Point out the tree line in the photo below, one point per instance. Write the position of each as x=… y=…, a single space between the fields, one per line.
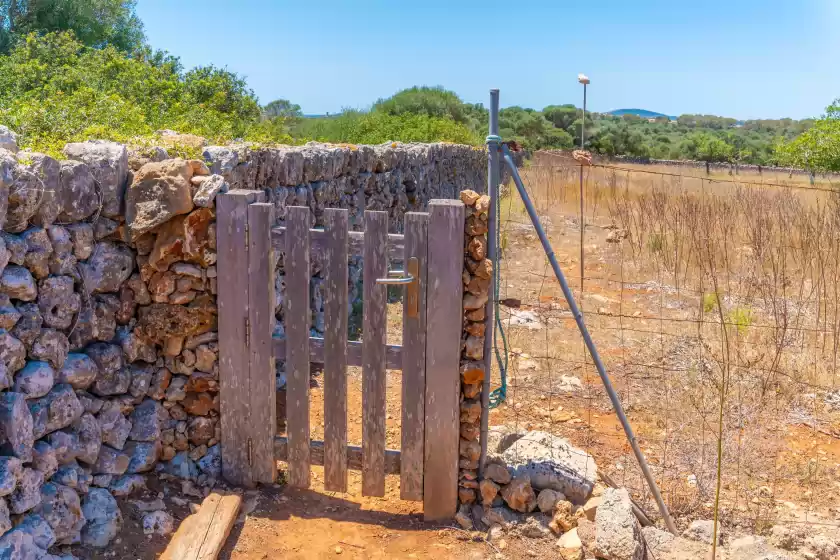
x=73 y=69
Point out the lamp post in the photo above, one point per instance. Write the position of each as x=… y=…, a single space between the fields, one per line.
x=583 y=79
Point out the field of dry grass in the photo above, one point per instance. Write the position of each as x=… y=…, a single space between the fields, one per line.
x=714 y=303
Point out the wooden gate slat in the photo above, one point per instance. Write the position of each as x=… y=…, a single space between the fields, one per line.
x=336 y=224
x=297 y=317
x=443 y=350
x=414 y=365
x=263 y=422
x=234 y=385
x=374 y=337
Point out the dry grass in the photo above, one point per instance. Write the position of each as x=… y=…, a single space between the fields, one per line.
x=717 y=316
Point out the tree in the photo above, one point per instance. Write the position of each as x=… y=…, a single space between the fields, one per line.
x=562 y=116
x=818 y=148
x=95 y=23
x=282 y=108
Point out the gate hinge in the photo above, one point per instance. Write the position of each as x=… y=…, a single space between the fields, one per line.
x=250 y=452
x=247 y=331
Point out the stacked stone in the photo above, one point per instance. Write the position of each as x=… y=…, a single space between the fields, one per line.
x=477 y=278
x=92 y=338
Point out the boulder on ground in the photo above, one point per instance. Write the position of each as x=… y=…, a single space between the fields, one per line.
x=519 y=495
x=618 y=535
x=104 y=519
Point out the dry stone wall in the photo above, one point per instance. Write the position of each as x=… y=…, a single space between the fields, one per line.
x=108 y=347
x=108 y=338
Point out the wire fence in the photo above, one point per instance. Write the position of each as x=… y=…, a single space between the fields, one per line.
x=714 y=301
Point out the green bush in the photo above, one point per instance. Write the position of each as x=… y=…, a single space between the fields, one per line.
x=55 y=90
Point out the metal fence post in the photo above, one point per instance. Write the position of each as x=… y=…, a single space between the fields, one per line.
x=493 y=145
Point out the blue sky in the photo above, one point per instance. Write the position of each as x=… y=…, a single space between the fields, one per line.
x=739 y=58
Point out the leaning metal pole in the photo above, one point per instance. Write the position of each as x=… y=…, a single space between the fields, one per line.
x=493 y=144
x=590 y=345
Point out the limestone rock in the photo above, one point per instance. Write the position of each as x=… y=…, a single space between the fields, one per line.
x=547 y=499
x=34 y=380
x=160 y=321
x=108 y=267
x=562 y=519
x=159 y=384
x=159 y=192
x=90 y=438
x=158 y=523
x=489 y=490
x=114 y=427
x=108 y=162
x=38 y=529
x=200 y=430
x=206 y=194
x=199 y=404
x=110 y=461
x=145 y=421
x=182 y=466
x=28 y=327
x=104 y=519
x=211 y=463
x=142 y=455
x=79 y=371
x=617 y=532
x=17 y=283
x=61 y=508
x=8 y=139
x=51 y=347
x=519 y=495
x=15 y=248
x=569 y=546
x=137 y=347
x=222 y=159
x=497 y=473
x=552 y=462
x=115 y=383
x=184 y=238
x=33 y=181
x=822 y=547
x=77 y=193
x=66 y=446
x=11 y=469
x=57 y=410
x=107 y=357
x=127 y=485
x=81 y=234
x=27 y=493
x=44 y=458
x=96 y=321
x=20 y=544
x=16 y=425
x=57 y=301
x=9 y=315
x=38 y=251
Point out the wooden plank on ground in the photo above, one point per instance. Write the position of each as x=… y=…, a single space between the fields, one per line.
x=356 y=242
x=374 y=337
x=263 y=420
x=202 y=536
x=234 y=387
x=297 y=318
x=414 y=363
x=354 y=455
x=443 y=348
x=336 y=225
x=393 y=352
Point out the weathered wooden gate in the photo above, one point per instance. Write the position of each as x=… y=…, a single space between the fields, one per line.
x=432 y=252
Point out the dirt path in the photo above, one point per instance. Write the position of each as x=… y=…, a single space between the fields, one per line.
x=289 y=523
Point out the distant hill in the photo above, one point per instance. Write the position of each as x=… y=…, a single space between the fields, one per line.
x=644 y=113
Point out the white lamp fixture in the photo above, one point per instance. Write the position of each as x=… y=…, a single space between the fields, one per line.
x=582 y=78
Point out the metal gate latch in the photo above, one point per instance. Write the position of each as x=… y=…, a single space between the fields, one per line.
x=410 y=279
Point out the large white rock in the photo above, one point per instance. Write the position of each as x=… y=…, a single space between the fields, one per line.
x=618 y=535
x=552 y=462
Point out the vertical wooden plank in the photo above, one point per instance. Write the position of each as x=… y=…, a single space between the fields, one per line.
x=374 y=337
x=297 y=319
x=232 y=300
x=263 y=421
x=443 y=349
x=336 y=225
x=414 y=365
